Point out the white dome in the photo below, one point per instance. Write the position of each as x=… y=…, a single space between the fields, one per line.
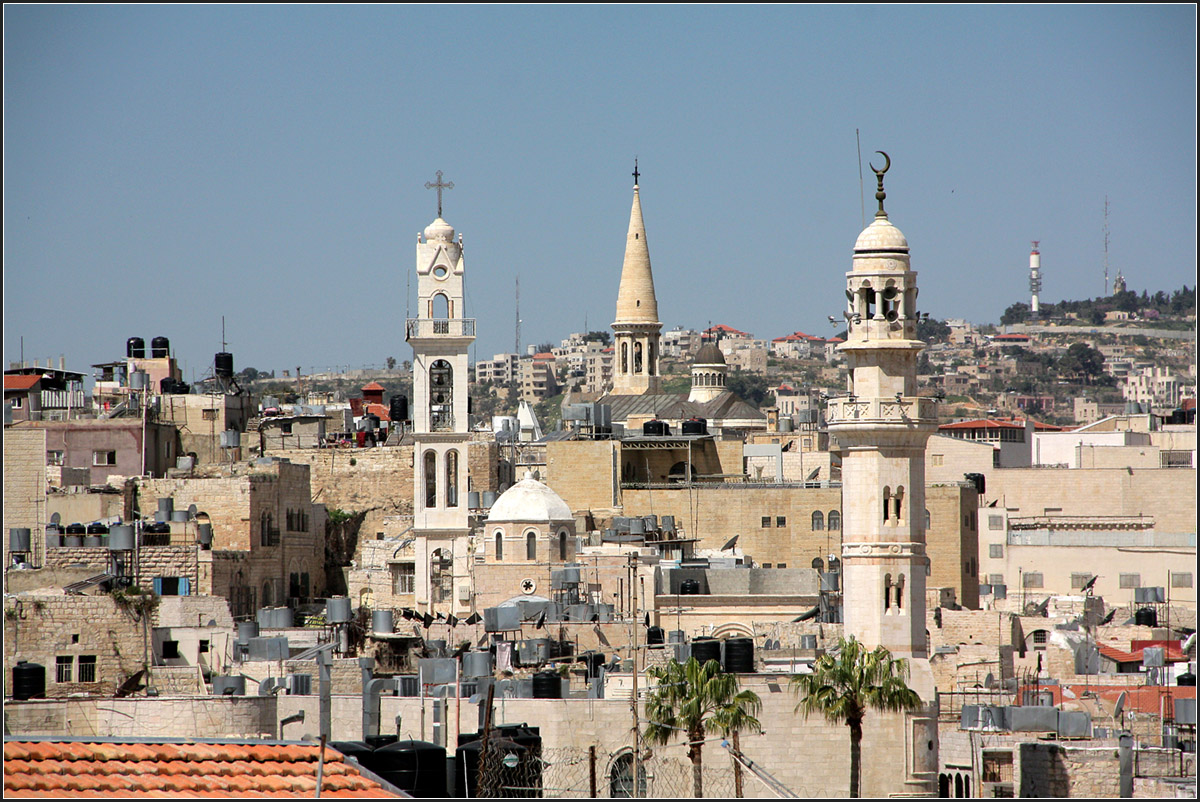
x=529 y=501
x=439 y=230
x=881 y=235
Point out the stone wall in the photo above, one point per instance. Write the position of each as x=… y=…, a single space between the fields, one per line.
x=153 y=717
x=25 y=487
x=42 y=627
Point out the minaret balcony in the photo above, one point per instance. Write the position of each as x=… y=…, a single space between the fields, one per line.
x=850 y=410
x=444 y=328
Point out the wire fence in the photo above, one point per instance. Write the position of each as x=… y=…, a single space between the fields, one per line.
x=570 y=773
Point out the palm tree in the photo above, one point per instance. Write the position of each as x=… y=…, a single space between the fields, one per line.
x=697 y=698
x=845 y=687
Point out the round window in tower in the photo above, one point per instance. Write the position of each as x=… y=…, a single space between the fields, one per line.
x=440 y=271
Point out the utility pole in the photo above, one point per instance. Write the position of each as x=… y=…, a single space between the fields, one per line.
x=637 y=730
x=1105 y=246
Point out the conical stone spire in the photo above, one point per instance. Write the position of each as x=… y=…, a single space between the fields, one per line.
x=636 y=329
x=635 y=299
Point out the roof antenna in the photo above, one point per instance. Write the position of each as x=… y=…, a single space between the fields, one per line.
x=861 y=193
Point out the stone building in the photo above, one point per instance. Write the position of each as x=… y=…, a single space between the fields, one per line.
x=109 y=447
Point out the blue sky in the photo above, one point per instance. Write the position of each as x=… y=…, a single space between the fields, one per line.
x=165 y=165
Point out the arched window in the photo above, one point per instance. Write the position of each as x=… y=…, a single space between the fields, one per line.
x=900 y=593
x=818 y=564
x=958 y=786
x=441 y=395
x=531 y=546
x=835 y=520
x=818 y=521
x=887 y=592
x=562 y=545
x=887 y=499
x=650 y=358
x=624 y=357
x=499 y=545
x=266 y=594
x=430 y=479
x=451 y=478
x=927 y=519
x=620 y=778
x=637 y=357
x=899 y=499
x=440 y=307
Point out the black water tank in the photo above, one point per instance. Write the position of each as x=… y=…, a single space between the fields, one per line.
x=76 y=529
x=695 y=426
x=655 y=428
x=705 y=649
x=398 y=408
x=466 y=769
x=739 y=656
x=181 y=388
x=160 y=347
x=1187 y=679
x=1146 y=617
x=654 y=636
x=978 y=480
x=135 y=348
x=357 y=750
x=689 y=587
x=97 y=529
x=417 y=767
x=377 y=742
x=223 y=363
x=547 y=685
x=28 y=681
x=166 y=385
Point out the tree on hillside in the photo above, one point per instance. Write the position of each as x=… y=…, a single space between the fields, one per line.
x=750 y=387
x=844 y=687
x=695 y=699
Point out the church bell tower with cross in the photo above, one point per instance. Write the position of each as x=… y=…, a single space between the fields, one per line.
x=636 y=331
x=440 y=335
x=882 y=426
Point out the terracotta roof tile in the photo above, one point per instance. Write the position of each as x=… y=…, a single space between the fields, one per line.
x=20 y=382
x=107 y=769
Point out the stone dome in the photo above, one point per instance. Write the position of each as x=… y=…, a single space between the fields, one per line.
x=881 y=235
x=529 y=501
x=440 y=231
x=881 y=247
x=709 y=354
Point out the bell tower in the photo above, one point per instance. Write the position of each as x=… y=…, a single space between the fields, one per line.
x=440 y=336
x=637 y=327
x=882 y=426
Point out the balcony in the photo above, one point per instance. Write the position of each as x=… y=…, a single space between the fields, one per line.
x=907 y=409
x=449 y=328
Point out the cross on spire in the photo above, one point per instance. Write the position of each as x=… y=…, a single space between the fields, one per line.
x=635 y=171
x=439 y=186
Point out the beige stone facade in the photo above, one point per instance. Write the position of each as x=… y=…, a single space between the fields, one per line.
x=25 y=487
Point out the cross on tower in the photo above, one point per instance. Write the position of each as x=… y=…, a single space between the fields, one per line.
x=636 y=174
x=439 y=186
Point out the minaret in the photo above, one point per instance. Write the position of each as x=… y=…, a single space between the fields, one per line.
x=636 y=329
x=882 y=427
x=440 y=337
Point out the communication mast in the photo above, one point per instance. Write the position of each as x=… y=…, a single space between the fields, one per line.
x=517 y=339
x=1105 y=246
x=1035 y=280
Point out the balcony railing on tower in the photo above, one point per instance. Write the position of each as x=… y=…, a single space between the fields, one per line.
x=445 y=327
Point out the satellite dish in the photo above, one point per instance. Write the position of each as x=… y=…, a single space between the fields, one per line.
x=56 y=518
x=192 y=511
x=989 y=681
x=1120 y=708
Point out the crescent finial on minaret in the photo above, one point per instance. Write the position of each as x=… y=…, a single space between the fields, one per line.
x=879 y=193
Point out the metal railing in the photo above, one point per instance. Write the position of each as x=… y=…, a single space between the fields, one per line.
x=449 y=327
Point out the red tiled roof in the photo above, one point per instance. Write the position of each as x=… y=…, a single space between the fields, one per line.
x=380 y=411
x=1188 y=403
x=373 y=386
x=103 y=770
x=799 y=335
x=721 y=327
x=20 y=382
x=999 y=423
x=1011 y=337
x=545 y=355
